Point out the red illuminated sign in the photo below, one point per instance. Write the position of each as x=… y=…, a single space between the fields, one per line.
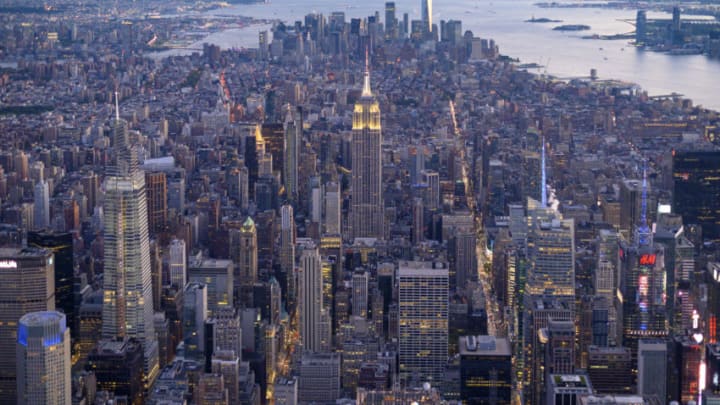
x=647 y=260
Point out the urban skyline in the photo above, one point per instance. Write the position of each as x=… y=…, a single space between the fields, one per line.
x=359 y=210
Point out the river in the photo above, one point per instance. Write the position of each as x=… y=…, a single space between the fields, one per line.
x=565 y=54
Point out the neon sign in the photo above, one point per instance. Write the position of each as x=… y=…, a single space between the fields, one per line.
x=647 y=260
x=8 y=264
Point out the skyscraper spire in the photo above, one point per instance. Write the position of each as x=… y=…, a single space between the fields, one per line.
x=643 y=231
x=543 y=177
x=117 y=107
x=367 y=92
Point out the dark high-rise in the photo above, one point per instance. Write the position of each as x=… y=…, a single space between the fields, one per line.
x=61 y=244
x=696 y=189
x=118 y=367
x=485 y=370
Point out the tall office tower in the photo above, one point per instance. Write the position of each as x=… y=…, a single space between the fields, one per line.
x=156 y=188
x=464 y=258
x=607 y=279
x=128 y=302
x=91 y=189
x=641 y=27
x=367 y=209
x=177 y=263
x=293 y=139
x=432 y=179
x=319 y=379
x=687 y=356
x=310 y=297
x=195 y=308
x=551 y=249
x=531 y=359
x=360 y=294
x=26 y=276
x=244 y=254
x=237 y=186
x=644 y=306
x=560 y=348
x=271 y=350
x=391 y=24
x=227 y=364
x=333 y=208
x=61 y=244
x=287 y=255
x=418 y=221
x=485 y=370
x=41 y=215
x=118 y=364
x=630 y=201
x=426 y=7
x=43 y=359
x=423 y=317
x=696 y=189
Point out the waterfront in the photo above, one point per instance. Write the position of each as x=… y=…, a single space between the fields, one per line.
x=565 y=54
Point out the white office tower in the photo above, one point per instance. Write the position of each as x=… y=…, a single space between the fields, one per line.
x=310 y=297
x=43 y=359
x=127 y=298
x=178 y=263
x=41 y=214
x=333 y=207
x=423 y=321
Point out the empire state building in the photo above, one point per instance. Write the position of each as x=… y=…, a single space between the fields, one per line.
x=367 y=208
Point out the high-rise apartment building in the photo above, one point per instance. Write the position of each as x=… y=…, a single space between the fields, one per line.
x=43 y=359
x=128 y=301
x=367 y=208
x=423 y=318
x=28 y=285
